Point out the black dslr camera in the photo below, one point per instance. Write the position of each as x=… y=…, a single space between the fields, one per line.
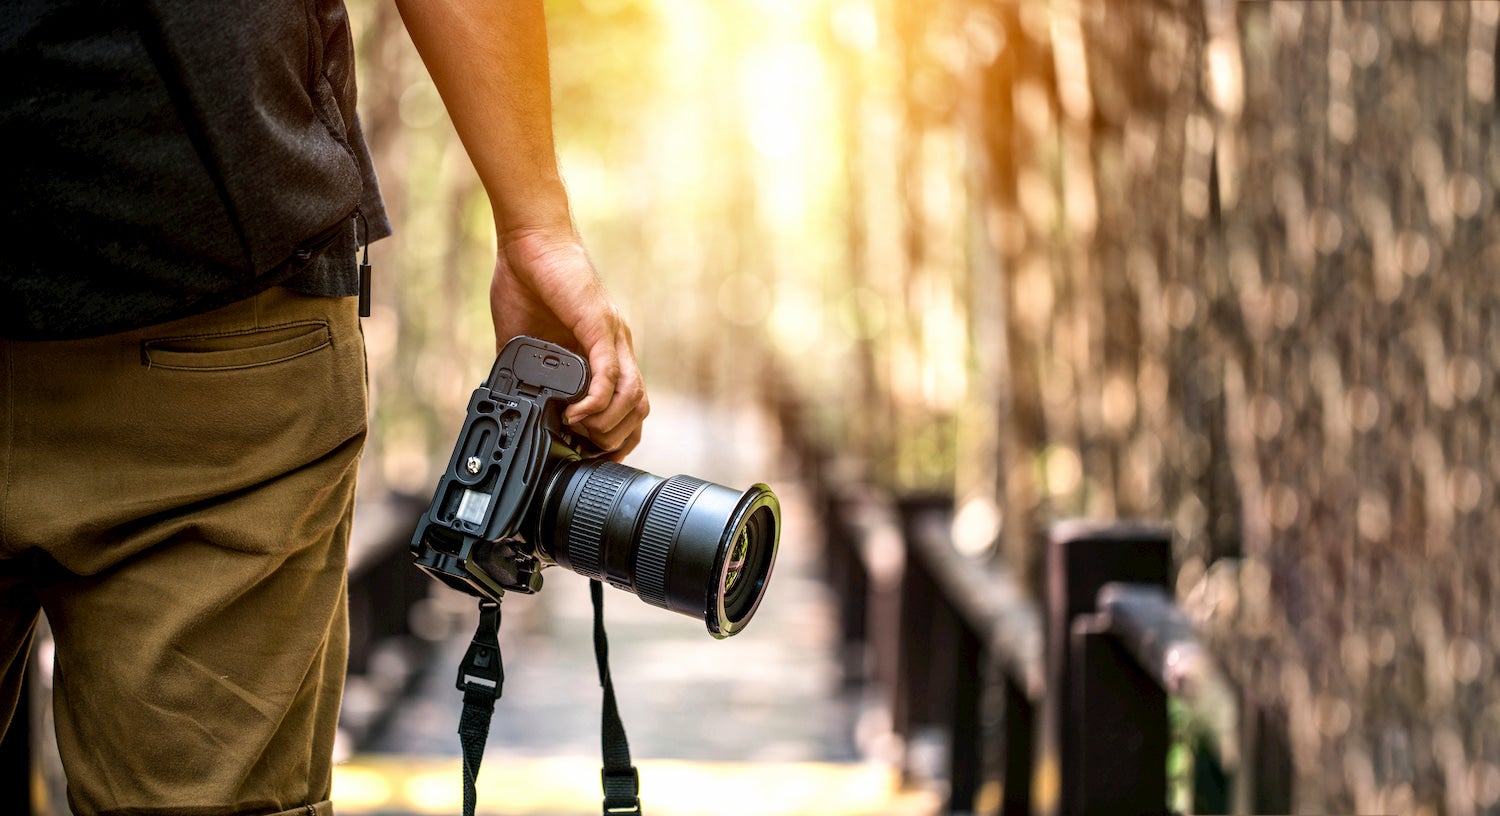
x=520 y=494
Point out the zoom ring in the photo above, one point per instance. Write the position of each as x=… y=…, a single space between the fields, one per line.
x=657 y=533
x=596 y=498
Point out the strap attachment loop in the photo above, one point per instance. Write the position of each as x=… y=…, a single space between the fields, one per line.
x=481 y=672
x=621 y=791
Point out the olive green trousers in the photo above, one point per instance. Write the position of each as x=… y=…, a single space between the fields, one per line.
x=177 y=500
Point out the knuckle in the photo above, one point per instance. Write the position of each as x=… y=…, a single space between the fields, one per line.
x=610 y=441
x=632 y=391
x=609 y=371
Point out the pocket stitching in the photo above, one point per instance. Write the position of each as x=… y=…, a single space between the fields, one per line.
x=148 y=346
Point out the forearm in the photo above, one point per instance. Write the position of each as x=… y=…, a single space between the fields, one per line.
x=488 y=59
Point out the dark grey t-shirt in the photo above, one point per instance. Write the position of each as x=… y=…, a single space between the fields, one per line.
x=172 y=157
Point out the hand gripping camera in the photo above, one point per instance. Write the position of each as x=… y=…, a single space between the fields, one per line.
x=520 y=494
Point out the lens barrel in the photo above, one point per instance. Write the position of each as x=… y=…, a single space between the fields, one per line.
x=680 y=543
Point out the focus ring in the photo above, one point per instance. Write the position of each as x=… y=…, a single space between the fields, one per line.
x=658 y=532
x=596 y=498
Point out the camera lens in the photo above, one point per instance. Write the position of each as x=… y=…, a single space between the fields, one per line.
x=681 y=543
x=747 y=564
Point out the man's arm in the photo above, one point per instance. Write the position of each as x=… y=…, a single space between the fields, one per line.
x=488 y=59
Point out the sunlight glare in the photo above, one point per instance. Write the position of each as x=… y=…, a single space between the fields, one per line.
x=854 y=25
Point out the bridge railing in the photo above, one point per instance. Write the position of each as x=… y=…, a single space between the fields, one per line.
x=1067 y=704
x=1089 y=694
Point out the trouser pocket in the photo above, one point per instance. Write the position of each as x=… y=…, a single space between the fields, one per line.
x=234 y=350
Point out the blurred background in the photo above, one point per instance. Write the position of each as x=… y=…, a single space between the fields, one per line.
x=946 y=273
x=1230 y=267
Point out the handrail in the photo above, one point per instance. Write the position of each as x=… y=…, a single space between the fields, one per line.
x=990 y=600
x=971 y=661
x=1068 y=683
x=1154 y=631
x=1059 y=703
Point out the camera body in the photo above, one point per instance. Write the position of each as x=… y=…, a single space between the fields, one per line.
x=521 y=492
x=477 y=535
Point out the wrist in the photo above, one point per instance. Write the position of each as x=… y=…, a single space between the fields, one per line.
x=543 y=256
x=530 y=237
x=541 y=214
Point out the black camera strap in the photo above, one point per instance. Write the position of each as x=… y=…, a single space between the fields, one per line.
x=481 y=677
x=621 y=781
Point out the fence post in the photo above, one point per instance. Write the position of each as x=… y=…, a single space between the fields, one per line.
x=1119 y=721
x=846 y=573
x=1081 y=558
x=1016 y=750
x=928 y=628
x=914 y=692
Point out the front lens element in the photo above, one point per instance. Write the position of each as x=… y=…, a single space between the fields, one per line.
x=682 y=543
x=736 y=561
x=748 y=559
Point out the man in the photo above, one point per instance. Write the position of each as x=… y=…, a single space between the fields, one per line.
x=182 y=396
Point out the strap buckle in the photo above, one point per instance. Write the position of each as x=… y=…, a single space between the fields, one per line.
x=481 y=672
x=622 y=788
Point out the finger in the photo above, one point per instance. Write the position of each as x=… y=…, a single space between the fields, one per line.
x=604 y=364
x=614 y=438
x=626 y=447
x=629 y=393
